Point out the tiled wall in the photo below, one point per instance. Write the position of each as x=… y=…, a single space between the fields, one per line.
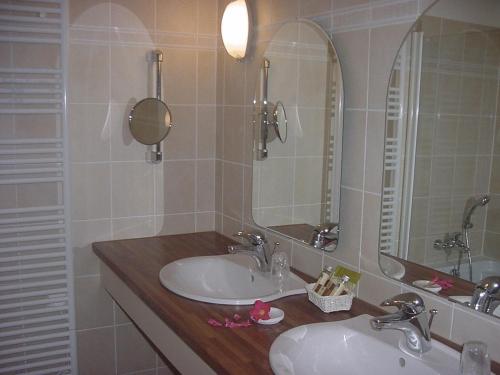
x=455 y=135
x=367 y=35
x=115 y=192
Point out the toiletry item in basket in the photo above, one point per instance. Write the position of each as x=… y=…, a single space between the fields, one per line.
x=353 y=276
x=322 y=279
x=330 y=285
x=342 y=287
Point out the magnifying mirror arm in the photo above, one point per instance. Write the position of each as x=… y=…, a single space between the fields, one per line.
x=156 y=154
x=264 y=120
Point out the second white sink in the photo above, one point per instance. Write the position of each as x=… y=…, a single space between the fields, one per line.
x=352 y=347
x=230 y=279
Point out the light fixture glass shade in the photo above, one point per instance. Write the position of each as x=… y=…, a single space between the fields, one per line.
x=234 y=28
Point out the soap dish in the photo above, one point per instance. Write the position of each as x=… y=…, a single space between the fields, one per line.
x=275 y=316
x=329 y=304
x=427 y=285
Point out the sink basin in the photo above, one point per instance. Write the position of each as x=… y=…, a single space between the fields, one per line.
x=352 y=347
x=392 y=267
x=230 y=279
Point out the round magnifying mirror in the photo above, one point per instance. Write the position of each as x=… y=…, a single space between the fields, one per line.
x=280 y=122
x=150 y=121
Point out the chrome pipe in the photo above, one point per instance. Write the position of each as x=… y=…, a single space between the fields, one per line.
x=156 y=154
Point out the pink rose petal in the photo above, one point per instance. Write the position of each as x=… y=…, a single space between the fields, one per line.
x=214 y=323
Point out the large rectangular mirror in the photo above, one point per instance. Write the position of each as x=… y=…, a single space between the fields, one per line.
x=298 y=136
x=441 y=182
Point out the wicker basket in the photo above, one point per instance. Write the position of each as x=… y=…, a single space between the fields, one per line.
x=329 y=304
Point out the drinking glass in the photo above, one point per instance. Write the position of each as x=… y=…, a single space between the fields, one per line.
x=280 y=270
x=475 y=359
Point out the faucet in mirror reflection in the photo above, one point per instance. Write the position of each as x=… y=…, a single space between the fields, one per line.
x=461 y=241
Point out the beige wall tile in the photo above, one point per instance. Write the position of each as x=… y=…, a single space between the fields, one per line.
x=93 y=305
x=307 y=259
x=176 y=15
x=91 y=183
x=181 y=140
x=205 y=200
x=133 y=227
x=96 y=350
x=132 y=350
x=352 y=48
x=89 y=12
x=353 y=148
x=131 y=14
x=89 y=132
x=313 y=7
x=84 y=233
x=307 y=170
x=233 y=135
x=276 y=183
x=132 y=184
x=284 y=10
x=134 y=64
x=207 y=68
x=232 y=188
x=234 y=81
x=206 y=132
x=370 y=233
x=176 y=187
x=123 y=145
x=175 y=224
x=374 y=157
x=350 y=216
x=88 y=73
x=375 y=289
x=204 y=221
x=180 y=76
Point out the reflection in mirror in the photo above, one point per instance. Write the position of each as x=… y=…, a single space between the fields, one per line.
x=297 y=136
x=441 y=182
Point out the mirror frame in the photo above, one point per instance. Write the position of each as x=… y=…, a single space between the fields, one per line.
x=337 y=168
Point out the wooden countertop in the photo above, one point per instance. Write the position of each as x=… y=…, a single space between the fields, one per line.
x=137 y=263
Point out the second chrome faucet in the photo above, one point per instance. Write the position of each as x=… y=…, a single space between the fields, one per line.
x=411 y=319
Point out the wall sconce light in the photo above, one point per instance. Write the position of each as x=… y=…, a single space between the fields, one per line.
x=235 y=28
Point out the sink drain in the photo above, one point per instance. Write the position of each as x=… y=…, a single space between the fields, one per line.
x=402 y=362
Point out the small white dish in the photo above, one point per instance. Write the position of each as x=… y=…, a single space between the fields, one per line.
x=427 y=285
x=275 y=316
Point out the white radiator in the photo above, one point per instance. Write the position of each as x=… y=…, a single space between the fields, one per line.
x=36 y=278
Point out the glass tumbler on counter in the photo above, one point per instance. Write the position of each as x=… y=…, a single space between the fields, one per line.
x=474 y=359
x=280 y=270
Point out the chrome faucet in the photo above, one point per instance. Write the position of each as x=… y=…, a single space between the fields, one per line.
x=325 y=235
x=486 y=297
x=257 y=248
x=411 y=319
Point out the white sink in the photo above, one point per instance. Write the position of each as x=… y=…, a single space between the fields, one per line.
x=230 y=279
x=392 y=267
x=352 y=347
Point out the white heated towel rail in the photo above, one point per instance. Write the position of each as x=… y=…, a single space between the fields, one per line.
x=36 y=291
